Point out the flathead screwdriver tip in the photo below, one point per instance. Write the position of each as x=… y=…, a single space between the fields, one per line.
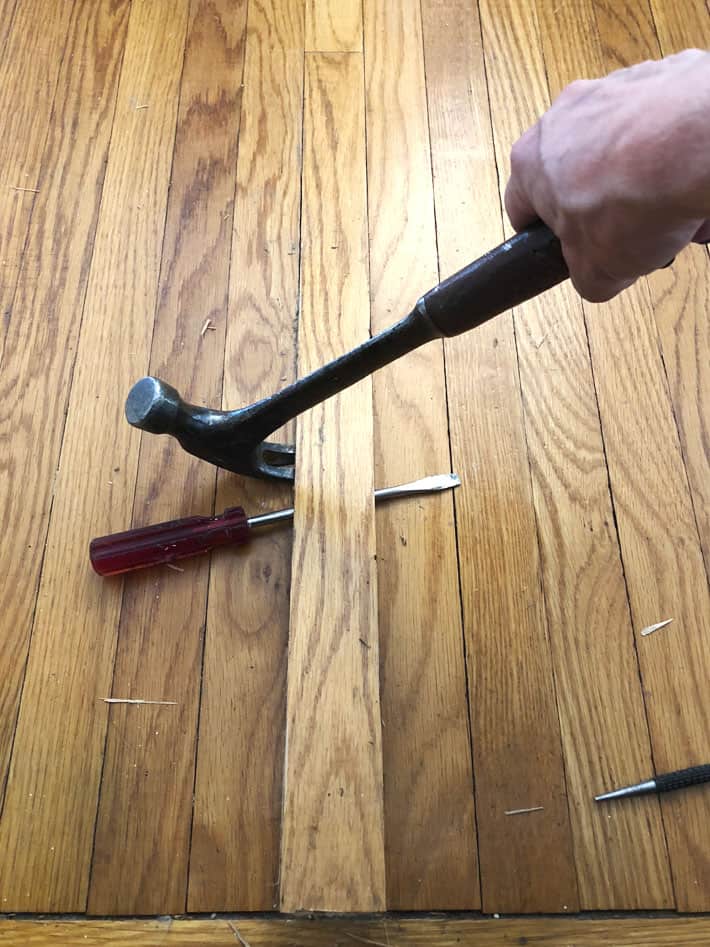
x=432 y=484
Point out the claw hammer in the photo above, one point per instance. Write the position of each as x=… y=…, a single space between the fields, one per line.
x=528 y=264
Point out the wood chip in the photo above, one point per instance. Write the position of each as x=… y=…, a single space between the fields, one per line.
x=651 y=628
x=175 y=568
x=208 y=325
x=129 y=700
x=522 y=811
x=28 y=190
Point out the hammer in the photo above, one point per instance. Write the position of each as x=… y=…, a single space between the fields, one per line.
x=528 y=264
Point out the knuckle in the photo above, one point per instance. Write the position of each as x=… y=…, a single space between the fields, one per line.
x=577 y=88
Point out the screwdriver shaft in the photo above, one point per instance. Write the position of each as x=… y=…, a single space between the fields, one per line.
x=432 y=484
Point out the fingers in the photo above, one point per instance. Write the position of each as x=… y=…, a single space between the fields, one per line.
x=518 y=207
x=524 y=157
x=591 y=281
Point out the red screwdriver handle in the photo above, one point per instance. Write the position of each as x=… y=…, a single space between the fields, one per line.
x=166 y=542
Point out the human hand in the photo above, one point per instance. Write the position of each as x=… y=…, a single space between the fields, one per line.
x=619 y=169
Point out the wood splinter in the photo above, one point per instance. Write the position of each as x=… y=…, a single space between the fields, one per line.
x=523 y=811
x=129 y=700
x=651 y=628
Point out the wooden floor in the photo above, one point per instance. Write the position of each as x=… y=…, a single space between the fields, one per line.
x=353 y=709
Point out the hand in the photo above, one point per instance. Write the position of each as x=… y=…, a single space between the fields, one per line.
x=619 y=169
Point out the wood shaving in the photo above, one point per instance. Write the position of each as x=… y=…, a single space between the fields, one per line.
x=244 y=943
x=659 y=624
x=522 y=811
x=139 y=107
x=130 y=700
x=175 y=568
x=364 y=940
x=208 y=325
x=27 y=190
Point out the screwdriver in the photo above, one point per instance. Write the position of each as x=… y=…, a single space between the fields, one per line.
x=163 y=543
x=665 y=782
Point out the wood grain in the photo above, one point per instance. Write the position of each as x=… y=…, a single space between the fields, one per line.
x=332 y=834
x=412 y=932
x=35 y=38
x=41 y=343
x=141 y=850
x=680 y=300
x=660 y=545
x=334 y=25
x=429 y=810
x=620 y=853
x=46 y=832
x=234 y=862
x=7 y=18
x=514 y=720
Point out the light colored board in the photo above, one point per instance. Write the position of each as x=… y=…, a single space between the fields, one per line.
x=238 y=787
x=620 y=852
x=47 y=826
x=681 y=301
x=660 y=545
x=429 y=809
x=680 y=298
x=141 y=849
x=7 y=18
x=625 y=32
x=334 y=25
x=386 y=932
x=513 y=713
x=685 y=25
x=36 y=372
x=332 y=831
x=34 y=41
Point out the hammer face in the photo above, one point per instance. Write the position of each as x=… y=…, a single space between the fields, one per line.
x=229 y=439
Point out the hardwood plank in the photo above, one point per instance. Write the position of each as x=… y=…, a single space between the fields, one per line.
x=431 y=859
x=34 y=37
x=332 y=856
x=514 y=723
x=683 y=26
x=238 y=787
x=46 y=832
x=660 y=545
x=412 y=932
x=7 y=18
x=680 y=300
x=620 y=855
x=334 y=25
x=41 y=343
x=141 y=851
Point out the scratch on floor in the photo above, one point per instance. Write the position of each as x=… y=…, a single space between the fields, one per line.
x=651 y=628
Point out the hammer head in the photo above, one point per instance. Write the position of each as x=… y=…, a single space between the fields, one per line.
x=233 y=440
